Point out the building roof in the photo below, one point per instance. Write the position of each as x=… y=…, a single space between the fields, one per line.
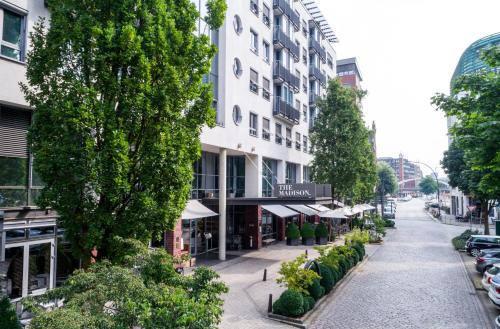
x=351 y=60
x=314 y=11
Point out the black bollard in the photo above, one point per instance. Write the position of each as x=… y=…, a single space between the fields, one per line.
x=306 y=253
x=270 y=305
x=265 y=275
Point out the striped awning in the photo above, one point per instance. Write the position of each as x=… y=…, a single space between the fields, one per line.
x=280 y=210
x=303 y=209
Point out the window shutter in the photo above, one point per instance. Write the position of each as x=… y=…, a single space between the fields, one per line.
x=14 y=126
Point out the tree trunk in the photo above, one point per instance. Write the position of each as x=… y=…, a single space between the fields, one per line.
x=484 y=215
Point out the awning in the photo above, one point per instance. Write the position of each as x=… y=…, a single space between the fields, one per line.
x=368 y=206
x=279 y=210
x=337 y=213
x=357 y=209
x=347 y=211
x=194 y=209
x=303 y=209
x=338 y=203
x=318 y=207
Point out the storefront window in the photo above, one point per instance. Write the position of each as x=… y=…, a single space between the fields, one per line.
x=39 y=267
x=291 y=173
x=269 y=176
x=268 y=225
x=11 y=272
x=235 y=176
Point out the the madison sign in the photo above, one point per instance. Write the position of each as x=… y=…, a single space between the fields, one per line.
x=295 y=191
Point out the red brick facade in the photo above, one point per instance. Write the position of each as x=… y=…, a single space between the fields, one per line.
x=253 y=224
x=173 y=240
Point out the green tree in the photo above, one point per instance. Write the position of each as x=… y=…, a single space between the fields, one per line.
x=149 y=294
x=475 y=102
x=428 y=185
x=8 y=317
x=342 y=153
x=387 y=182
x=119 y=106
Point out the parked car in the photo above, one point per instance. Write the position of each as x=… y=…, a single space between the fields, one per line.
x=476 y=243
x=486 y=258
x=494 y=291
x=489 y=274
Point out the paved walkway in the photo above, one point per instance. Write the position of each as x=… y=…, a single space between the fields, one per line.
x=415 y=280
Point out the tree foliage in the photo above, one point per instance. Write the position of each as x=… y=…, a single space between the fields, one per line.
x=474 y=159
x=8 y=317
x=342 y=152
x=428 y=185
x=387 y=183
x=295 y=277
x=119 y=105
x=148 y=295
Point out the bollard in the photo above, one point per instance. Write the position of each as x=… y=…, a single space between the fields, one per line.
x=265 y=275
x=306 y=253
x=270 y=305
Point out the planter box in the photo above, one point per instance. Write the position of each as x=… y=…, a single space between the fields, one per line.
x=321 y=240
x=292 y=242
x=308 y=241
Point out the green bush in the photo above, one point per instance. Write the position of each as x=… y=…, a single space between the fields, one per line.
x=8 y=317
x=389 y=223
x=321 y=230
x=327 y=280
x=359 y=251
x=468 y=233
x=357 y=235
x=307 y=231
x=345 y=265
x=358 y=222
x=294 y=276
x=292 y=231
x=290 y=303
x=459 y=241
x=379 y=226
x=309 y=302
x=316 y=291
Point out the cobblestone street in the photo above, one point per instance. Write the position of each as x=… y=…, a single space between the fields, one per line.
x=415 y=280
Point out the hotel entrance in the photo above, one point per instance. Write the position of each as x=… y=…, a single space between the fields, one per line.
x=200 y=235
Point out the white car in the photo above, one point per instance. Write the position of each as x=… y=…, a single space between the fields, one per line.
x=494 y=291
x=488 y=276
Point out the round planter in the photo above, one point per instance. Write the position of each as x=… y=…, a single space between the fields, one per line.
x=292 y=242
x=321 y=240
x=308 y=241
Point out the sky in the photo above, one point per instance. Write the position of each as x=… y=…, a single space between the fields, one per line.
x=407 y=51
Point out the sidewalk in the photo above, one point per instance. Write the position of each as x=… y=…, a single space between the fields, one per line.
x=247 y=301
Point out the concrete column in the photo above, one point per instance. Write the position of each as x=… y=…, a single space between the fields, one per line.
x=222 y=203
x=300 y=171
x=253 y=176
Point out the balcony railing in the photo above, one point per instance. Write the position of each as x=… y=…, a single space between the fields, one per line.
x=281 y=7
x=315 y=47
x=281 y=40
x=282 y=74
x=315 y=74
x=312 y=98
x=286 y=111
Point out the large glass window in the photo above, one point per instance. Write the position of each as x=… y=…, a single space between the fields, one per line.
x=206 y=176
x=291 y=173
x=269 y=176
x=269 y=225
x=12 y=34
x=11 y=272
x=235 y=176
x=13 y=181
x=306 y=173
x=39 y=267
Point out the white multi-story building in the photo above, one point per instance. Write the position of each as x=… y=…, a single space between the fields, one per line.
x=274 y=58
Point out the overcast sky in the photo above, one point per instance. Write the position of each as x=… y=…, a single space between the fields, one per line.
x=407 y=50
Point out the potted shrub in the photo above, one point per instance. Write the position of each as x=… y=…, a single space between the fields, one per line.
x=321 y=233
x=307 y=233
x=292 y=235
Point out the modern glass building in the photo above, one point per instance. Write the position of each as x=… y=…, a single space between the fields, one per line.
x=470 y=60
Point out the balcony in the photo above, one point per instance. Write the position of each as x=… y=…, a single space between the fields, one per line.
x=312 y=99
x=315 y=47
x=282 y=74
x=285 y=111
x=281 y=40
x=315 y=74
x=281 y=7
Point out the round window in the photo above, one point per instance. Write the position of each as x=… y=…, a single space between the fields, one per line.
x=237 y=115
x=237 y=70
x=238 y=26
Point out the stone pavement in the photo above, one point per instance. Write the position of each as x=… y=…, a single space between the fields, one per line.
x=415 y=280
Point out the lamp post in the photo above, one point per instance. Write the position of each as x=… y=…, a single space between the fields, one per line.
x=437 y=182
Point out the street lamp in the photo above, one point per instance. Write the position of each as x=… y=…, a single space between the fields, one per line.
x=437 y=182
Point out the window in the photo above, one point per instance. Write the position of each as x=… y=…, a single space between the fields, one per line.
x=266 y=84
x=266 y=15
x=291 y=173
x=235 y=185
x=304 y=83
x=254 y=7
x=288 y=137
x=237 y=115
x=304 y=56
x=237 y=70
x=269 y=176
x=298 y=142
x=306 y=175
x=266 y=51
x=329 y=60
x=254 y=81
x=278 y=134
x=205 y=176
x=297 y=105
x=297 y=74
x=266 y=132
x=305 y=143
x=238 y=26
x=253 y=124
x=12 y=28
x=304 y=28
x=304 y=112
x=254 y=41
